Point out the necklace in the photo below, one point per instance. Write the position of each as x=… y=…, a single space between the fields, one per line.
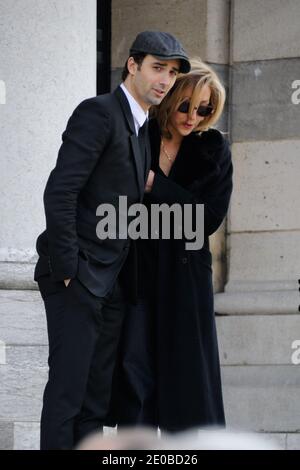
x=171 y=159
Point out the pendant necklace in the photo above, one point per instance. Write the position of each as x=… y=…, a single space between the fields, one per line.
x=171 y=159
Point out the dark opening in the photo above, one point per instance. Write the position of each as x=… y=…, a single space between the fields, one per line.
x=103 y=46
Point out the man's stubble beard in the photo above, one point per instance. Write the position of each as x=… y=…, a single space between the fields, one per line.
x=152 y=101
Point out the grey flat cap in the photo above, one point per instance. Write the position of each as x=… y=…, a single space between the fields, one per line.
x=161 y=45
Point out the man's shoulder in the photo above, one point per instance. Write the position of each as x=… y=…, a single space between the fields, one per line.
x=96 y=108
x=108 y=107
x=100 y=101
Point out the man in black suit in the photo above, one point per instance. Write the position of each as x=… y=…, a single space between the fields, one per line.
x=102 y=156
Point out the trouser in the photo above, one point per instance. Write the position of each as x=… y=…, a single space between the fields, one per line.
x=135 y=388
x=83 y=333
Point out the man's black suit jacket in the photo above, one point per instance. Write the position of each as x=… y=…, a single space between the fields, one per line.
x=99 y=160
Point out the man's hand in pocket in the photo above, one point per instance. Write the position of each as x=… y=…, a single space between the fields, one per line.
x=67 y=281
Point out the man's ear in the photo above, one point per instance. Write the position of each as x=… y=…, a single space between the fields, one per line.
x=132 y=66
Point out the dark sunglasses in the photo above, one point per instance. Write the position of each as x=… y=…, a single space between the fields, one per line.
x=202 y=111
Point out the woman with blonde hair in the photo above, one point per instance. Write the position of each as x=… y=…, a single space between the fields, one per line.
x=168 y=372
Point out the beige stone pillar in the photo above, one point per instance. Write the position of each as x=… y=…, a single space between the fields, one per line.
x=260 y=303
x=47 y=66
x=264 y=222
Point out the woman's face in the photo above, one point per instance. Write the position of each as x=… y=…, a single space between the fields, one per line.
x=181 y=124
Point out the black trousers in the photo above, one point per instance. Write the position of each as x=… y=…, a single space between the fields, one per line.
x=83 y=332
x=135 y=387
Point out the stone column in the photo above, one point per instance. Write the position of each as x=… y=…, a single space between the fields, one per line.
x=47 y=66
x=261 y=298
x=264 y=222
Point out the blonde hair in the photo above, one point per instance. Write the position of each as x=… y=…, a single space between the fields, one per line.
x=200 y=74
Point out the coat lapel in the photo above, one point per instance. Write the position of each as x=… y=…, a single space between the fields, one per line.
x=194 y=161
x=133 y=139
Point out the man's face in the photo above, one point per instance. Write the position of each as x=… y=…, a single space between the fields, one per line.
x=151 y=81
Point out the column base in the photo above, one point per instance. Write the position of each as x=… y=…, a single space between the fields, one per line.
x=14 y=275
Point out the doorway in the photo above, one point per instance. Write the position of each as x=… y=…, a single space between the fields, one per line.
x=103 y=46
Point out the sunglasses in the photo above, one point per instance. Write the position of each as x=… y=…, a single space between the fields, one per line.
x=202 y=111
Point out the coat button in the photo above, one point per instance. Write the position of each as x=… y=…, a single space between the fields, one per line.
x=184 y=260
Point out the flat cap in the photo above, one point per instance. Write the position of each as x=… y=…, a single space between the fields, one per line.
x=161 y=45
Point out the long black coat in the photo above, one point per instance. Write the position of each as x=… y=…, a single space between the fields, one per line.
x=177 y=284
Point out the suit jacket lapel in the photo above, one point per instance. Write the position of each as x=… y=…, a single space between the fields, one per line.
x=133 y=139
x=148 y=151
x=148 y=156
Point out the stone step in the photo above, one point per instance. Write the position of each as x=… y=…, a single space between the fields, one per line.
x=261 y=386
x=240 y=298
x=262 y=398
x=25 y=436
x=258 y=398
x=257 y=339
x=6 y=435
x=22 y=318
x=22 y=381
x=243 y=339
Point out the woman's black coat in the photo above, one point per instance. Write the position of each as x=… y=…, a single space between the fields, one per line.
x=179 y=286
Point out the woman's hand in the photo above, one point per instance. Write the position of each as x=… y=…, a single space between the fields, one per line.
x=149 y=182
